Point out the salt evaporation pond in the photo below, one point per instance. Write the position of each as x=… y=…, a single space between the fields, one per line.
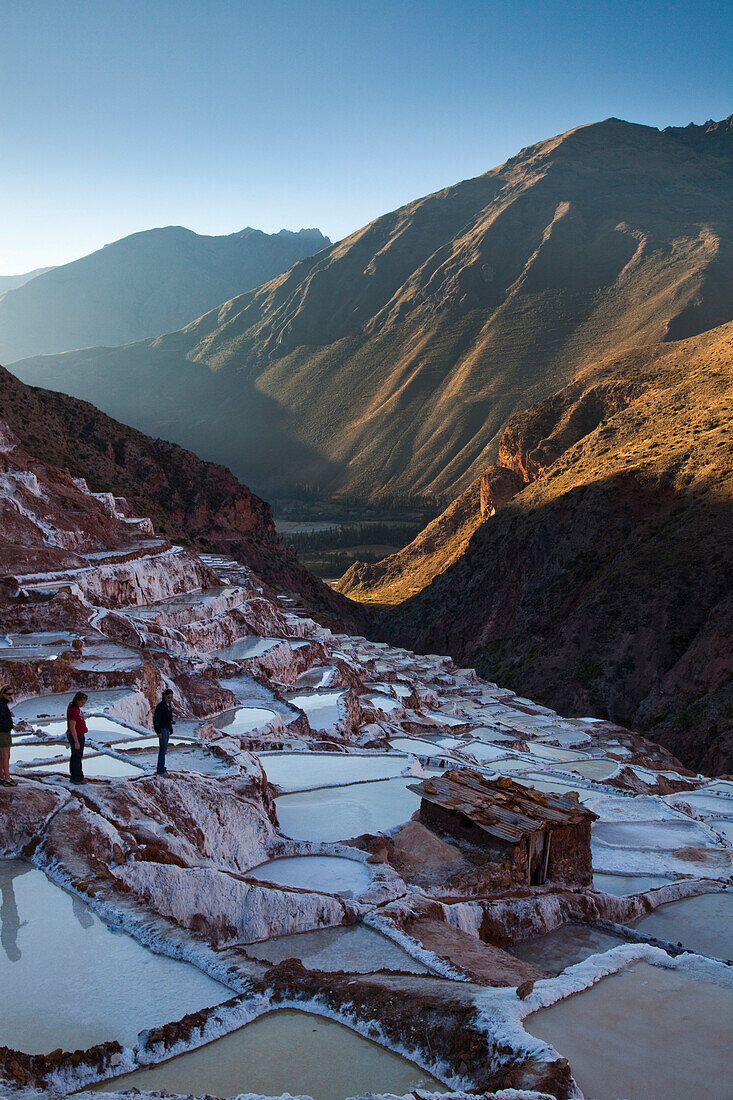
x=357 y=949
x=571 y=943
x=446 y=719
x=667 y=835
x=285 y=1051
x=338 y=813
x=703 y=923
x=245 y=648
x=98 y=729
x=326 y=874
x=627 y=884
x=594 y=769
x=550 y=752
x=187 y=758
x=385 y=703
x=416 y=746
x=41 y=707
x=315 y=677
x=297 y=770
x=243 y=719
x=67 y=981
x=645 y=1033
x=94 y=767
x=37 y=750
x=320 y=708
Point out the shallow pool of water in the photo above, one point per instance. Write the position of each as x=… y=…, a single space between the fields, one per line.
x=551 y=752
x=244 y=648
x=416 y=746
x=594 y=769
x=315 y=677
x=99 y=729
x=325 y=874
x=188 y=758
x=37 y=750
x=321 y=708
x=627 y=884
x=702 y=803
x=54 y=706
x=286 y=1051
x=357 y=949
x=703 y=923
x=94 y=767
x=565 y=946
x=646 y=1033
x=382 y=702
x=67 y=981
x=667 y=835
x=296 y=770
x=243 y=719
x=338 y=813
x=445 y=719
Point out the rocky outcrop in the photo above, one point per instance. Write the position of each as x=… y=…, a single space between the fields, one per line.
x=188 y=500
x=604 y=586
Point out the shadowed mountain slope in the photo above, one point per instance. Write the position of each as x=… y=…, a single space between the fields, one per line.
x=392 y=360
x=140 y=286
x=191 y=501
x=606 y=585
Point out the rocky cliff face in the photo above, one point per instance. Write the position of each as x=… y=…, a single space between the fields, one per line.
x=393 y=359
x=604 y=586
x=188 y=500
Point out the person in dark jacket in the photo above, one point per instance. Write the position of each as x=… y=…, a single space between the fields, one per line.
x=76 y=729
x=163 y=726
x=6 y=736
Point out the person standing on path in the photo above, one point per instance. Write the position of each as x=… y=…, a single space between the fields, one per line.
x=6 y=736
x=163 y=726
x=76 y=729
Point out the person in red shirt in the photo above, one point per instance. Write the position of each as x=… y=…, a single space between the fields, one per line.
x=76 y=728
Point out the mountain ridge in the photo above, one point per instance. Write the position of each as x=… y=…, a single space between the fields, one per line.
x=391 y=360
x=149 y=282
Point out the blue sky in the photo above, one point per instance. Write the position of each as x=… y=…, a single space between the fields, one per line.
x=216 y=114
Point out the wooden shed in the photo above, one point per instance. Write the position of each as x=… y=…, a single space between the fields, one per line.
x=530 y=835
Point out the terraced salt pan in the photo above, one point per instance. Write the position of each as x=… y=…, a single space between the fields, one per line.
x=285 y=1051
x=315 y=677
x=99 y=729
x=550 y=786
x=550 y=752
x=421 y=747
x=627 y=884
x=382 y=702
x=482 y=752
x=702 y=803
x=295 y=771
x=357 y=949
x=243 y=720
x=54 y=951
x=37 y=750
x=565 y=946
x=131 y=745
x=445 y=719
x=338 y=813
x=94 y=767
x=54 y=706
x=594 y=769
x=667 y=835
x=325 y=874
x=188 y=758
x=245 y=648
x=645 y=1033
x=703 y=923
x=321 y=709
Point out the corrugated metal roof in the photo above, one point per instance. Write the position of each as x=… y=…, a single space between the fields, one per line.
x=501 y=807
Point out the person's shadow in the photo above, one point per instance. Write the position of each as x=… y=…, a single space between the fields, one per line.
x=10 y=922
